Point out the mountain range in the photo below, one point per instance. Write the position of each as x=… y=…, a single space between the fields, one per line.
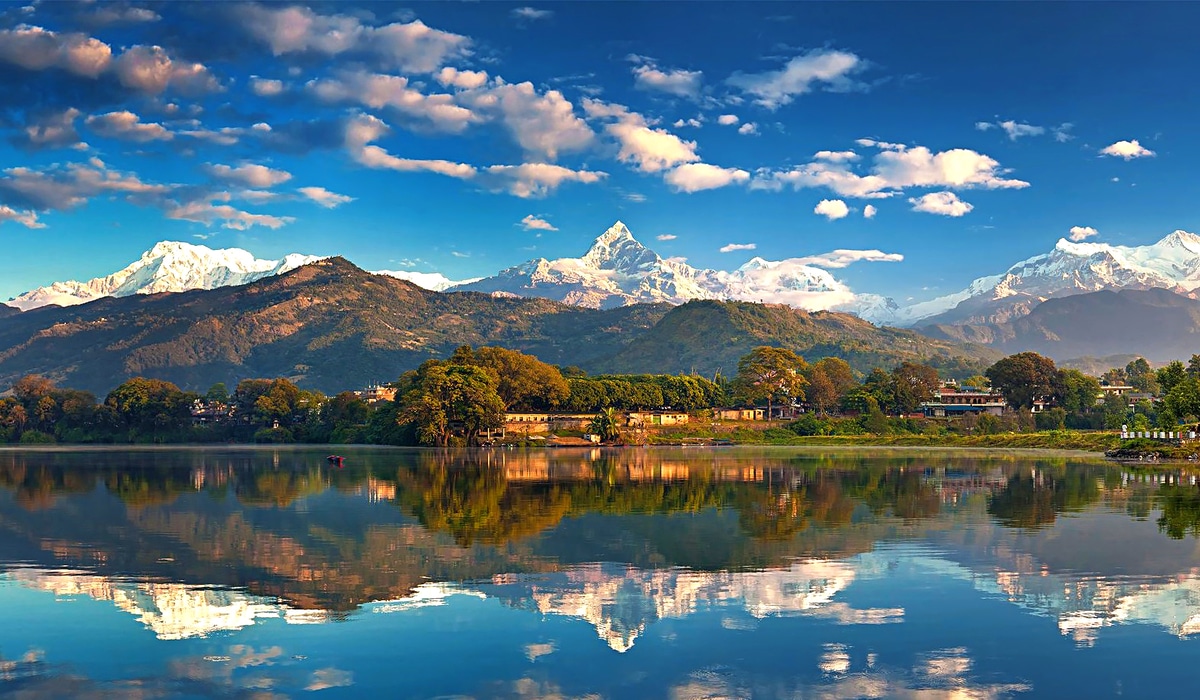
x=331 y=326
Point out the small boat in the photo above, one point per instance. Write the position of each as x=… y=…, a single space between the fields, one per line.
x=336 y=459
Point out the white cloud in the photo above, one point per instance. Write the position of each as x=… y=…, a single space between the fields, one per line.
x=835 y=156
x=324 y=197
x=412 y=47
x=150 y=70
x=1079 y=233
x=1127 y=150
x=545 y=125
x=944 y=203
x=36 y=48
x=958 y=167
x=127 y=126
x=264 y=87
x=635 y=197
x=748 y=129
x=734 y=247
x=531 y=223
x=28 y=219
x=773 y=89
x=842 y=257
x=728 y=119
x=650 y=150
x=51 y=130
x=832 y=209
x=693 y=122
x=535 y=179
x=665 y=237
x=363 y=129
x=678 y=82
x=694 y=177
x=378 y=91
x=230 y=217
x=250 y=175
x=1062 y=132
x=530 y=13
x=869 y=211
x=1014 y=129
x=462 y=79
x=64 y=187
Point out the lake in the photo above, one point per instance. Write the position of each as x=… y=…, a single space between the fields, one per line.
x=595 y=573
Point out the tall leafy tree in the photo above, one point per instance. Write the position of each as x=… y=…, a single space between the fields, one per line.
x=444 y=394
x=1076 y=392
x=1023 y=378
x=523 y=381
x=151 y=407
x=913 y=384
x=770 y=374
x=1170 y=375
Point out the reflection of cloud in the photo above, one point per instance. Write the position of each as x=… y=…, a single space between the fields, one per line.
x=324 y=678
x=835 y=659
x=535 y=651
x=424 y=596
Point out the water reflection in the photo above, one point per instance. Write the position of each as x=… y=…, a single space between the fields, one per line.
x=638 y=548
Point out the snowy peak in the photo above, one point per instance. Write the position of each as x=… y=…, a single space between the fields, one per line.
x=1070 y=268
x=618 y=270
x=169 y=266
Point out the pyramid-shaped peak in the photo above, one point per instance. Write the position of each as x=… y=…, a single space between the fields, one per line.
x=165 y=248
x=1181 y=238
x=617 y=232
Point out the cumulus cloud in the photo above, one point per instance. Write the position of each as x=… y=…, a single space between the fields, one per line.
x=532 y=223
x=54 y=129
x=842 y=257
x=250 y=175
x=534 y=179
x=1012 y=128
x=665 y=237
x=734 y=247
x=748 y=129
x=693 y=122
x=800 y=75
x=36 y=48
x=151 y=70
x=894 y=168
x=1127 y=150
x=649 y=149
x=266 y=87
x=530 y=13
x=832 y=209
x=66 y=186
x=1079 y=233
x=728 y=119
x=869 y=211
x=324 y=197
x=836 y=156
x=411 y=47
x=943 y=203
x=694 y=177
x=229 y=217
x=673 y=81
x=28 y=219
x=127 y=126
x=362 y=130
x=544 y=124
x=464 y=79
x=379 y=91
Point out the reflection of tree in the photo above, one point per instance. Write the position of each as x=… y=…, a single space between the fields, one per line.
x=1032 y=500
x=1180 y=511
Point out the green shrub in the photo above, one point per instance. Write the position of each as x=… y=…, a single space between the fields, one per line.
x=273 y=435
x=36 y=437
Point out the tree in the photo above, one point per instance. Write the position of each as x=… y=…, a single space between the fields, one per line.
x=217 y=393
x=605 y=425
x=830 y=380
x=1193 y=366
x=151 y=406
x=913 y=385
x=31 y=388
x=1171 y=375
x=1184 y=398
x=1023 y=378
x=1076 y=392
x=821 y=392
x=769 y=374
x=445 y=393
x=977 y=382
x=523 y=380
x=1140 y=376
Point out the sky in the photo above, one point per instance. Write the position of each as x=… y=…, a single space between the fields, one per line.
x=463 y=138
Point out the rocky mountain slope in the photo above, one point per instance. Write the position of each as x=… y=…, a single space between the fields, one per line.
x=332 y=326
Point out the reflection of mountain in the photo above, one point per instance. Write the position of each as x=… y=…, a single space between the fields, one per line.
x=620 y=602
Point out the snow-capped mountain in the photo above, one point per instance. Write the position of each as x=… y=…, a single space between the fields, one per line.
x=618 y=270
x=167 y=267
x=435 y=281
x=1071 y=268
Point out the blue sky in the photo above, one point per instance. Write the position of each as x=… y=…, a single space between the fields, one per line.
x=421 y=136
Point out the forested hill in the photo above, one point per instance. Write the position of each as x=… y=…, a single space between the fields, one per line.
x=332 y=326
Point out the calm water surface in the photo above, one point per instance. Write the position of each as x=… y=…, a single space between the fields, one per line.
x=674 y=573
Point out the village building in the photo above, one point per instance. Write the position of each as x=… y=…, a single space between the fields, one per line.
x=952 y=402
x=740 y=413
x=376 y=393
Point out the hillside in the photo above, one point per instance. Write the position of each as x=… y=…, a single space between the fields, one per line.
x=331 y=326
x=707 y=336
x=1157 y=324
